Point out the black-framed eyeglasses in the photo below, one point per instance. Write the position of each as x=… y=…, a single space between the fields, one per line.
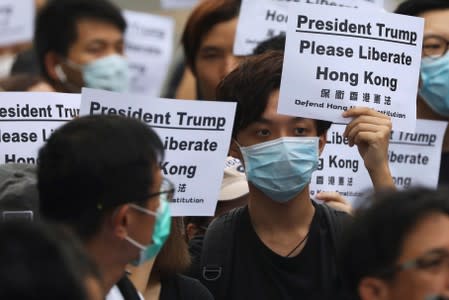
x=434 y=46
x=166 y=192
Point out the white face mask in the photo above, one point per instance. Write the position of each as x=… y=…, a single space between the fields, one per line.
x=6 y=62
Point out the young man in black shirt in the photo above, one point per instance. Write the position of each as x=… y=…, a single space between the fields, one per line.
x=282 y=245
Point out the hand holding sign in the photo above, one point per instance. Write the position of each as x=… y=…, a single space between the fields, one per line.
x=347 y=60
x=370 y=131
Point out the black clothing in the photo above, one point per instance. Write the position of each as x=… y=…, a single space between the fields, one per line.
x=181 y=287
x=256 y=272
x=259 y=273
x=443 y=180
x=195 y=247
x=127 y=289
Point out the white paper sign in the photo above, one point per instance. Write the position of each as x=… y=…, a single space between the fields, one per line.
x=196 y=137
x=335 y=60
x=149 y=49
x=260 y=20
x=28 y=119
x=414 y=160
x=16 y=21
x=178 y=4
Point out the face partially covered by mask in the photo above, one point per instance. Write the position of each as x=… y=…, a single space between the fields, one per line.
x=161 y=232
x=281 y=168
x=106 y=73
x=435 y=83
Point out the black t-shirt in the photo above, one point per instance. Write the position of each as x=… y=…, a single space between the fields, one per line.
x=180 y=287
x=259 y=273
x=195 y=247
x=444 y=170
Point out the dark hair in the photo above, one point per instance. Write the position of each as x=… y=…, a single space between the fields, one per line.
x=205 y=16
x=93 y=164
x=251 y=84
x=37 y=265
x=373 y=241
x=84 y=266
x=275 y=43
x=416 y=7
x=174 y=257
x=56 y=24
x=19 y=82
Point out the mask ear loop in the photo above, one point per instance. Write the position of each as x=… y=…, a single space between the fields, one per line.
x=62 y=77
x=135 y=243
x=60 y=73
x=143 y=210
x=238 y=144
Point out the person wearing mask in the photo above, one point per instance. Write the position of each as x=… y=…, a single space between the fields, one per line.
x=79 y=43
x=100 y=177
x=398 y=249
x=433 y=95
x=162 y=278
x=282 y=245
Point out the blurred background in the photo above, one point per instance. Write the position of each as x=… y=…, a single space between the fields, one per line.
x=181 y=14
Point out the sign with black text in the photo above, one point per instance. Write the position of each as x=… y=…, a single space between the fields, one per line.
x=260 y=20
x=335 y=60
x=195 y=135
x=414 y=160
x=28 y=119
x=149 y=49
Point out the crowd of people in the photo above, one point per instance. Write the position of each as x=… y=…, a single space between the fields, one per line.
x=92 y=221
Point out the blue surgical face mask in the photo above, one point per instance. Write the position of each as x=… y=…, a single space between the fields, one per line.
x=108 y=73
x=281 y=168
x=161 y=232
x=435 y=83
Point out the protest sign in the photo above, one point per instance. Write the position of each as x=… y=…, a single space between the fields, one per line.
x=195 y=135
x=260 y=20
x=16 y=21
x=178 y=4
x=28 y=119
x=335 y=60
x=414 y=160
x=148 y=48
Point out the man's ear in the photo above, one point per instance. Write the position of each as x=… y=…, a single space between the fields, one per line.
x=51 y=60
x=120 y=221
x=371 y=288
x=234 y=150
x=322 y=141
